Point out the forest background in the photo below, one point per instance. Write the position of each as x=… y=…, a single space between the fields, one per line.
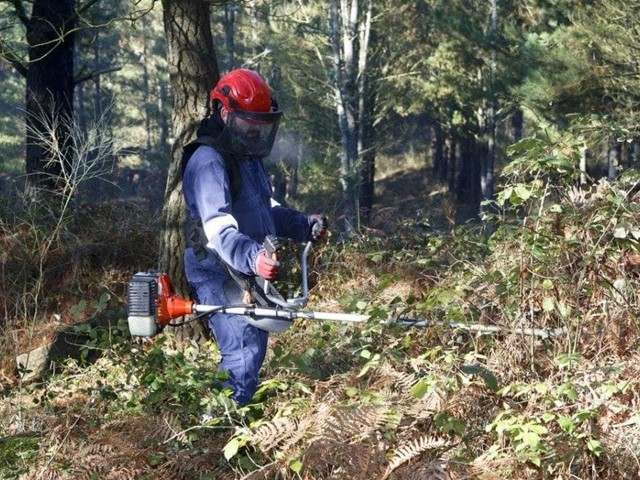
x=477 y=160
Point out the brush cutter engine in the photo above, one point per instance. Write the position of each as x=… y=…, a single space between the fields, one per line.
x=152 y=303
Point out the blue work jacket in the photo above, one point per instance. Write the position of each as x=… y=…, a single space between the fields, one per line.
x=235 y=225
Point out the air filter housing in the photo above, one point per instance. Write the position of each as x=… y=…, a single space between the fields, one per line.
x=142 y=296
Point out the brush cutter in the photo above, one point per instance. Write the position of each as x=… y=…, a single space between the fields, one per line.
x=153 y=304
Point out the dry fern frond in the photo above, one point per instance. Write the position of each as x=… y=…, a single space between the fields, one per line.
x=437 y=469
x=328 y=459
x=144 y=430
x=352 y=424
x=193 y=463
x=165 y=427
x=271 y=434
x=411 y=450
x=431 y=403
x=267 y=472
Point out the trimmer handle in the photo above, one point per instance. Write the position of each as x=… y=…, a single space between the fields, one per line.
x=271 y=246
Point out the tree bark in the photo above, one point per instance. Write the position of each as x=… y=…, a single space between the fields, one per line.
x=486 y=180
x=468 y=188
x=49 y=90
x=193 y=71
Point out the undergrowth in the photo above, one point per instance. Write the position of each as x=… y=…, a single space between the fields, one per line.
x=524 y=365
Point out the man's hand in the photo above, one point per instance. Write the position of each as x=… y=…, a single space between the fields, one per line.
x=319 y=226
x=266 y=266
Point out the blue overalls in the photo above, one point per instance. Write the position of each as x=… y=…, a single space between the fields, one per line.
x=235 y=227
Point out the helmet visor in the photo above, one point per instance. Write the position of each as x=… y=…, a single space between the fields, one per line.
x=252 y=133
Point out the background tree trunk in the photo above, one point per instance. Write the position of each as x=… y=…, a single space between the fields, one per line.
x=49 y=88
x=437 y=150
x=613 y=161
x=367 y=65
x=350 y=30
x=193 y=71
x=486 y=180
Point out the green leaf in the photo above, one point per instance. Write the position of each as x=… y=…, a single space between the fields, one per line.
x=420 y=389
x=376 y=258
x=296 y=466
x=523 y=192
x=489 y=378
x=595 y=447
x=566 y=424
x=620 y=232
x=548 y=416
x=555 y=208
x=231 y=448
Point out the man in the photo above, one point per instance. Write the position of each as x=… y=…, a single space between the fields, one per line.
x=231 y=212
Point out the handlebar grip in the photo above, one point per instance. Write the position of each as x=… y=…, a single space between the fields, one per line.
x=271 y=246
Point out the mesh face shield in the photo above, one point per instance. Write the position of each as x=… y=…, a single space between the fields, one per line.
x=252 y=133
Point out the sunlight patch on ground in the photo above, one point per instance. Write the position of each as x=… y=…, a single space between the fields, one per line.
x=388 y=166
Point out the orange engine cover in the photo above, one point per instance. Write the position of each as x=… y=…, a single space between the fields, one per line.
x=169 y=305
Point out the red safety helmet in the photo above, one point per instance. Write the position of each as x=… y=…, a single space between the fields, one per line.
x=244 y=90
x=253 y=114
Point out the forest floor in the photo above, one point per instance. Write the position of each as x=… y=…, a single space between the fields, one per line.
x=374 y=401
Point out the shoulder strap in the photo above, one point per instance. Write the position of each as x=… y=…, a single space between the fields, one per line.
x=230 y=162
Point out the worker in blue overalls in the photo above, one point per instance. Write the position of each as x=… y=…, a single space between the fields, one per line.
x=231 y=212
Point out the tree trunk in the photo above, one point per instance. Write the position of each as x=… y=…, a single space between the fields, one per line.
x=517 y=125
x=583 y=165
x=343 y=24
x=487 y=181
x=437 y=149
x=613 y=161
x=229 y=24
x=193 y=71
x=366 y=106
x=49 y=91
x=468 y=188
x=634 y=154
x=452 y=168
x=350 y=30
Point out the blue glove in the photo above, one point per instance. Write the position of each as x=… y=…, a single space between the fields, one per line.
x=318 y=227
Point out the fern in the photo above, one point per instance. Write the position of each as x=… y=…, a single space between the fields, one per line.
x=329 y=459
x=271 y=434
x=434 y=470
x=166 y=427
x=351 y=424
x=411 y=450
